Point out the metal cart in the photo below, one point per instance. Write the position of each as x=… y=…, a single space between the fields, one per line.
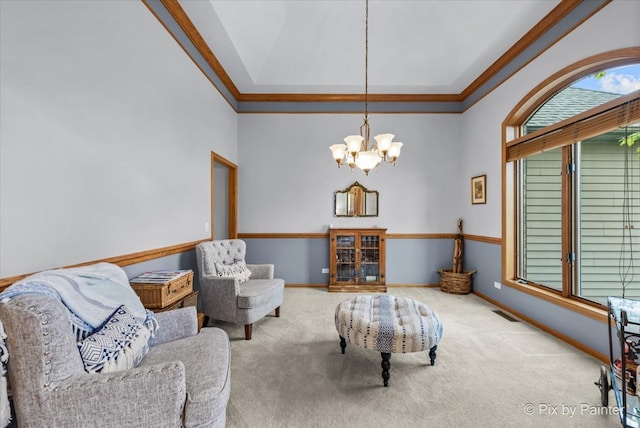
x=624 y=356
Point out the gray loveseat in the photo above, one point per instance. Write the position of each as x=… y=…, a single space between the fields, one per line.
x=229 y=298
x=182 y=381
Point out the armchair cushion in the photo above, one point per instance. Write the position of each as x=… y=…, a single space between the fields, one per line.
x=259 y=292
x=119 y=344
x=224 y=251
x=236 y=269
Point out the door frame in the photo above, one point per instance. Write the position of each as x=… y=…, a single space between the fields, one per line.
x=232 y=191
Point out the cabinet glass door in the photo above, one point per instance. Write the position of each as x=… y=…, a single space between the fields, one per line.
x=369 y=258
x=346 y=258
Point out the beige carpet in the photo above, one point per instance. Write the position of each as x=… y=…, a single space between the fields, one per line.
x=489 y=372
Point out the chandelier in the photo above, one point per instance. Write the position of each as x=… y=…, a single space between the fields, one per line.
x=356 y=151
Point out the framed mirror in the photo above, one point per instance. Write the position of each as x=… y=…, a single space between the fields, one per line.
x=356 y=201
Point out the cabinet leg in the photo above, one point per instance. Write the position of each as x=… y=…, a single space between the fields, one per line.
x=386 y=367
x=343 y=344
x=432 y=354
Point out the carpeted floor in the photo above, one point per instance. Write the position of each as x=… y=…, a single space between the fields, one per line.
x=489 y=372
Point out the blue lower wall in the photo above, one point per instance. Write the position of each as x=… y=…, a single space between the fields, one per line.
x=409 y=261
x=297 y=261
x=416 y=261
x=300 y=261
x=487 y=258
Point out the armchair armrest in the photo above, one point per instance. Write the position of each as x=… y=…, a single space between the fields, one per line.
x=115 y=399
x=216 y=292
x=225 y=288
x=261 y=271
x=175 y=324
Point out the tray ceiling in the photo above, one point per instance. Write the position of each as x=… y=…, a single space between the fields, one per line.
x=318 y=47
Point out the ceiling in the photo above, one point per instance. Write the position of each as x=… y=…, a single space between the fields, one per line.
x=415 y=47
x=432 y=51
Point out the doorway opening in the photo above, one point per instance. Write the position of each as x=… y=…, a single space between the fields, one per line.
x=224 y=198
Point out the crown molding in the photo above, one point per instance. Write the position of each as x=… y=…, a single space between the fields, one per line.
x=563 y=19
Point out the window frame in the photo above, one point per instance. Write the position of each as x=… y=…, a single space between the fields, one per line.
x=511 y=136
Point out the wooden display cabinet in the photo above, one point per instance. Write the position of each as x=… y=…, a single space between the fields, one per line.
x=357 y=260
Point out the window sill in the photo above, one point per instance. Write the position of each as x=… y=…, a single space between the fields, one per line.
x=585 y=309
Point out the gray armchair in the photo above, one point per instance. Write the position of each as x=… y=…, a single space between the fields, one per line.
x=230 y=298
x=182 y=381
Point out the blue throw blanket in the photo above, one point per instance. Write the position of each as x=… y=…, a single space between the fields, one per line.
x=90 y=293
x=5 y=407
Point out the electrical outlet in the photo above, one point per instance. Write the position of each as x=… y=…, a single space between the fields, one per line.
x=325 y=270
x=497 y=285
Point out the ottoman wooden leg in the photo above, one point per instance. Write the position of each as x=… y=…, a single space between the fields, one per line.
x=343 y=344
x=432 y=354
x=386 y=367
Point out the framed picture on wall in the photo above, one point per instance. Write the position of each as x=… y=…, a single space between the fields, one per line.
x=479 y=189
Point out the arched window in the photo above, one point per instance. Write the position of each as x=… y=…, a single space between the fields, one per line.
x=572 y=208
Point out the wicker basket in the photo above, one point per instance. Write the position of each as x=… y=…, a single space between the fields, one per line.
x=190 y=299
x=157 y=294
x=455 y=283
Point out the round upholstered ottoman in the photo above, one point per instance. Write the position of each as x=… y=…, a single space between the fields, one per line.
x=388 y=324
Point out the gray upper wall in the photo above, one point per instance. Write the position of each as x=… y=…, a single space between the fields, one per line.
x=106 y=130
x=287 y=177
x=106 y=135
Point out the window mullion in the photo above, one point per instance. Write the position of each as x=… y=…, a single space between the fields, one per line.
x=567 y=221
x=575 y=286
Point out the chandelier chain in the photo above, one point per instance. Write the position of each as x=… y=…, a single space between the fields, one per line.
x=366 y=60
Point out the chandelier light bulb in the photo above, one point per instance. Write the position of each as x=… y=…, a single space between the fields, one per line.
x=351 y=161
x=394 y=152
x=368 y=160
x=383 y=142
x=354 y=143
x=339 y=152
